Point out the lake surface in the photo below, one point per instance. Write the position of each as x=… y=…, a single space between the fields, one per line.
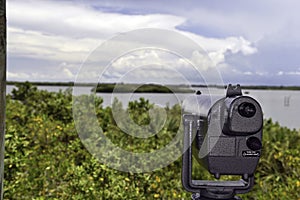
x=280 y=105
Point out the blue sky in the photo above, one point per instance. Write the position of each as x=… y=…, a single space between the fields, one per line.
x=253 y=42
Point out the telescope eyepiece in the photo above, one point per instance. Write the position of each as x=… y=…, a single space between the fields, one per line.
x=247 y=109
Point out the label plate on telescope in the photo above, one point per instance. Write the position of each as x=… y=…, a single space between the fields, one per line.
x=250 y=153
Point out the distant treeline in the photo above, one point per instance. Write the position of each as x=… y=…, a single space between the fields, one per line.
x=264 y=87
x=42 y=83
x=151 y=88
x=146 y=88
x=253 y=87
x=113 y=87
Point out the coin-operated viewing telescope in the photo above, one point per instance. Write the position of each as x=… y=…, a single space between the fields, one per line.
x=224 y=135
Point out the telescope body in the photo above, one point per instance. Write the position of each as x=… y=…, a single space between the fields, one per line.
x=227 y=131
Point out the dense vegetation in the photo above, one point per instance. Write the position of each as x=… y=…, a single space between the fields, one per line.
x=45 y=159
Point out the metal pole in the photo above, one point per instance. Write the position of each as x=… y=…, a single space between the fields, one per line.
x=2 y=88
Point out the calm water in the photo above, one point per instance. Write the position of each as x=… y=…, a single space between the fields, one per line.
x=280 y=105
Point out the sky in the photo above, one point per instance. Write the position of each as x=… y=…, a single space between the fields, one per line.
x=253 y=43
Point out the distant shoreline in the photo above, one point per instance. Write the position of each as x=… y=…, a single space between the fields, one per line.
x=150 y=88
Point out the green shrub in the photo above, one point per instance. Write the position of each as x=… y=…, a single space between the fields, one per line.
x=45 y=159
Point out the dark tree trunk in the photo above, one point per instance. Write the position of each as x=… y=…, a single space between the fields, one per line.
x=2 y=88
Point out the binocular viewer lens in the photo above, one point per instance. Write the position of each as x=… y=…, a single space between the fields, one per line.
x=247 y=110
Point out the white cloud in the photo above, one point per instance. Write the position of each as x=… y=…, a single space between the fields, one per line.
x=14 y=76
x=202 y=61
x=248 y=73
x=280 y=73
x=154 y=65
x=261 y=73
x=252 y=19
x=294 y=73
x=34 y=44
x=76 y=20
x=70 y=33
x=217 y=47
x=66 y=32
x=68 y=73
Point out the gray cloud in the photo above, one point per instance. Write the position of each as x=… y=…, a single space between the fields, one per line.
x=254 y=42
